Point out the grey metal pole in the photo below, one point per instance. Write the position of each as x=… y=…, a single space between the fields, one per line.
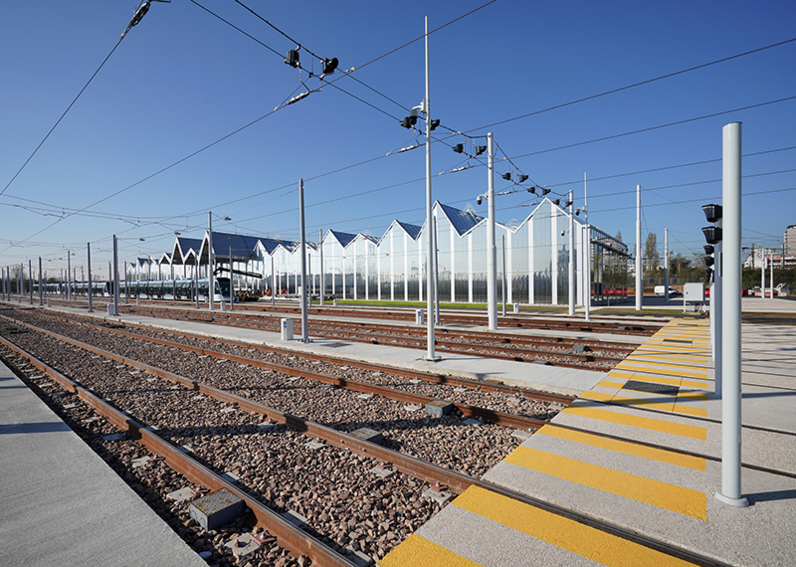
x=587 y=243
x=730 y=492
x=323 y=287
x=273 y=282
x=571 y=310
x=503 y=272
x=196 y=282
x=430 y=340
x=126 y=287
x=90 y=291
x=771 y=273
x=491 y=252
x=173 y=283
x=763 y=272
x=304 y=324
x=41 y=285
x=116 y=286
x=231 y=284
x=666 y=265
x=68 y=275
x=30 y=279
x=718 y=306
x=436 y=275
x=211 y=288
x=639 y=253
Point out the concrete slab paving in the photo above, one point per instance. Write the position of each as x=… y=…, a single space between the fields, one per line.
x=62 y=505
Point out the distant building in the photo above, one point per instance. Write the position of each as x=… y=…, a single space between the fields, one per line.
x=790 y=239
x=770 y=256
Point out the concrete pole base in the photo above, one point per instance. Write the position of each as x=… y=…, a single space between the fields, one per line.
x=737 y=502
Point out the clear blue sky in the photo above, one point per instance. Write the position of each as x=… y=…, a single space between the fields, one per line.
x=182 y=79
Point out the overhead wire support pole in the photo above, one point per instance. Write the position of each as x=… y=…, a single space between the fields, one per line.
x=320 y=246
x=666 y=265
x=571 y=310
x=639 y=253
x=430 y=340
x=491 y=252
x=587 y=247
x=304 y=323
x=41 y=285
x=210 y=280
x=116 y=286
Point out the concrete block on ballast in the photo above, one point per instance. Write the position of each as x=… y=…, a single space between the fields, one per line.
x=367 y=434
x=439 y=408
x=217 y=509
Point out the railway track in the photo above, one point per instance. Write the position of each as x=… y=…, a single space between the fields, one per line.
x=582 y=355
x=201 y=465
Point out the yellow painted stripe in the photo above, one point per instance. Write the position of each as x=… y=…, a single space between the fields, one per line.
x=697 y=362
x=663 y=426
x=599 y=396
x=651 y=402
x=628 y=448
x=675 y=366
x=607 y=384
x=695 y=396
x=417 y=551
x=659 y=370
x=567 y=534
x=663 y=495
x=657 y=379
x=690 y=410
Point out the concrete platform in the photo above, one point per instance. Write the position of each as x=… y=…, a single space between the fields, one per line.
x=62 y=505
x=665 y=492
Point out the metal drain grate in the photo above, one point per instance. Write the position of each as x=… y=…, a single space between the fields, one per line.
x=652 y=388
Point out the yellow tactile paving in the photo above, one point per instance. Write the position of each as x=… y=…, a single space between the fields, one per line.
x=573 y=536
x=416 y=551
x=681 y=429
x=667 y=496
x=689 y=361
x=626 y=447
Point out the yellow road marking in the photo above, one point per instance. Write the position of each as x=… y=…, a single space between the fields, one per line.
x=567 y=534
x=607 y=384
x=657 y=379
x=695 y=361
x=690 y=410
x=652 y=424
x=667 y=496
x=417 y=551
x=626 y=447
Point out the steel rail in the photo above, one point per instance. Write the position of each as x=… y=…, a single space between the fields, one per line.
x=457 y=482
x=492 y=416
x=427 y=376
x=287 y=535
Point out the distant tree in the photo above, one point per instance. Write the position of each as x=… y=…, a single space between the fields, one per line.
x=619 y=235
x=651 y=255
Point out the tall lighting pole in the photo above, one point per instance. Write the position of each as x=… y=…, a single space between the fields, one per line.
x=304 y=323
x=211 y=282
x=430 y=354
x=491 y=250
x=587 y=246
x=639 y=253
x=571 y=310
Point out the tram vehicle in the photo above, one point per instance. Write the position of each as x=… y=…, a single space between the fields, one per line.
x=176 y=289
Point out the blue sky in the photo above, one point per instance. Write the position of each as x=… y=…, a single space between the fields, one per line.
x=182 y=79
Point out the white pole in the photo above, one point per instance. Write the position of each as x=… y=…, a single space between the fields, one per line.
x=503 y=272
x=717 y=304
x=771 y=272
x=273 y=282
x=90 y=291
x=639 y=253
x=436 y=274
x=587 y=246
x=30 y=279
x=320 y=240
x=763 y=273
x=304 y=323
x=571 y=310
x=41 y=285
x=430 y=354
x=68 y=275
x=210 y=281
x=730 y=492
x=491 y=252
x=231 y=284
x=666 y=265
x=115 y=277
